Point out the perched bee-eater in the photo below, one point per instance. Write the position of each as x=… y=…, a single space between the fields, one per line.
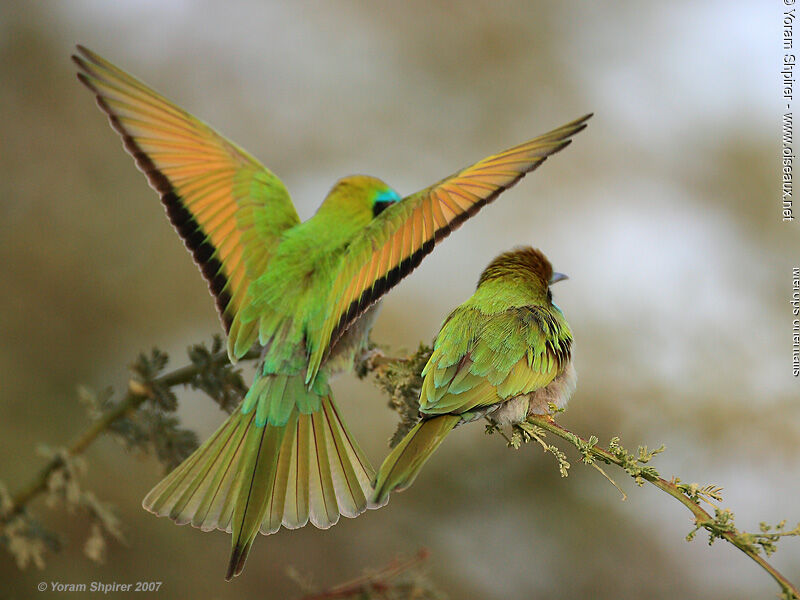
x=305 y=292
x=505 y=352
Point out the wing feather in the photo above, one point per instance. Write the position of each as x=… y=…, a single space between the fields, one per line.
x=227 y=207
x=518 y=352
x=430 y=215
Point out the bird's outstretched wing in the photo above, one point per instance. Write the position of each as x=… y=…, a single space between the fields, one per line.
x=227 y=207
x=397 y=240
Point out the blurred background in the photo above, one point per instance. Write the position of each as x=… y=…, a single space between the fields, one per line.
x=664 y=213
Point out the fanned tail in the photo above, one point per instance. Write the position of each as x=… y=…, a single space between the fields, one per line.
x=317 y=473
x=202 y=489
x=284 y=457
x=401 y=467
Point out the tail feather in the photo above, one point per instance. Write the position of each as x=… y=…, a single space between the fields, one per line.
x=211 y=511
x=205 y=476
x=352 y=474
x=192 y=507
x=321 y=494
x=260 y=467
x=295 y=506
x=283 y=481
x=250 y=477
x=401 y=467
x=227 y=504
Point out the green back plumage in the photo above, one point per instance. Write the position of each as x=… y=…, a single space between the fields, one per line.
x=507 y=340
x=287 y=299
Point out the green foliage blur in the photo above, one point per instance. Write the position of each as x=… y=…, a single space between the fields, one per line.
x=664 y=213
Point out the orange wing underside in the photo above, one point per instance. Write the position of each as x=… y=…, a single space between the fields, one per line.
x=197 y=173
x=215 y=195
x=411 y=229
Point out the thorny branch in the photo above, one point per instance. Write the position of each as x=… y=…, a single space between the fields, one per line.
x=400 y=379
x=140 y=389
x=720 y=526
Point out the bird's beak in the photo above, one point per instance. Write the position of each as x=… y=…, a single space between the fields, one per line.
x=557 y=277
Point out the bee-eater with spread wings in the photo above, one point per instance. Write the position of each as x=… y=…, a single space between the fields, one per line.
x=305 y=292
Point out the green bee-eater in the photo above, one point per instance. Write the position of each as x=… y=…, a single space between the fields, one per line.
x=505 y=352
x=306 y=292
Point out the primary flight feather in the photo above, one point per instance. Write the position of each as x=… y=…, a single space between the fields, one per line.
x=306 y=292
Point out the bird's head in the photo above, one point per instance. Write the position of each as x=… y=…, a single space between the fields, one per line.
x=527 y=266
x=359 y=197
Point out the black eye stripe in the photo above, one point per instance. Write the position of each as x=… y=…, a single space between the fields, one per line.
x=380 y=206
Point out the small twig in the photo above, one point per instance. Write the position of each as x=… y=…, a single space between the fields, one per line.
x=702 y=517
x=611 y=481
x=371 y=582
x=138 y=392
x=399 y=377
